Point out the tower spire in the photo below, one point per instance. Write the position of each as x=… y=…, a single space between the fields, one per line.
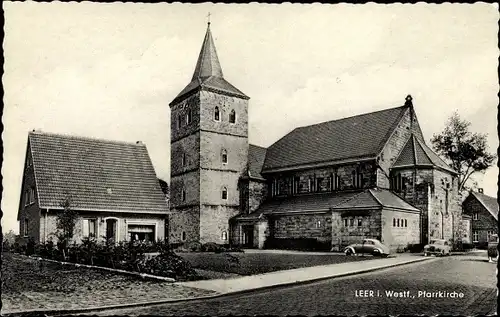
x=208 y=62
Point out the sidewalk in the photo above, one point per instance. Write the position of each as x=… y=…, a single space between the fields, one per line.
x=302 y=275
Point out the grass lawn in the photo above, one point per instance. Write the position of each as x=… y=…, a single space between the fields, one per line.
x=258 y=263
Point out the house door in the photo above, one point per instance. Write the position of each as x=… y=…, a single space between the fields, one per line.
x=248 y=236
x=111 y=229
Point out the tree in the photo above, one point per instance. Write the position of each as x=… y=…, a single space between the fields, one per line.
x=464 y=151
x=66 y=221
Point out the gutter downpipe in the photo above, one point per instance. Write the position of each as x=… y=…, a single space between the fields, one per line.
x=45 y=226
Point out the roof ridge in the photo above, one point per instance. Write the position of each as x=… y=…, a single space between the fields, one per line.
x=350 y=117
x=375 y=197
x=85 y=138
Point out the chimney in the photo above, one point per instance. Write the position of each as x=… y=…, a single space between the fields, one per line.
x=480 y=190
x=138 y=142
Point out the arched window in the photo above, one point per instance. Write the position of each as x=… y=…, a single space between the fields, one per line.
x=224 y=193
x=224 y=235
x=216 y=114
x=183 y=159
x=183 y=194
x=183 y=236
x=189 y=116
x=393 y=222
x=232 y=117
x=179 y=121
x=224 y=156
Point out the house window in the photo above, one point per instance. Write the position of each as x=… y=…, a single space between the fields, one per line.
x=309 y=185
x=183 y=194
x=475 y=216
x=179 y=121
x=183 y=236
x=224 y=193
x=296 y=184
x=183 y=159
x=26 y=222
x=406 y=223
x=345 y=222
x=393 y=222
x=334 y=181
x=224 y=156
x=232 y=117
x=189 y=116
x=475 y=236
x=32 y=195
x=318 y=224
x=224 y=235
x=216 y=114
x=89 y=228
x=351 y=222
x=398 y=222
x=360 y=222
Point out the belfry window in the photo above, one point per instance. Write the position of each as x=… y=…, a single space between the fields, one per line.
x=224 y=193
x=189 y=116
x=216 y=114
x=232 y=117
x=183 y=194
x=179 y=121
x=224 y=156
x=183 y=159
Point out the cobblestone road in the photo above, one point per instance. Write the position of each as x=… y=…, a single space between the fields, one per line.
x=472 y=276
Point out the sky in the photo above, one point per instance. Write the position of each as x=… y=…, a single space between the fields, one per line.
x=109 y=70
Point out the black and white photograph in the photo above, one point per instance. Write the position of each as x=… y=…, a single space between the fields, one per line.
x=215 y=159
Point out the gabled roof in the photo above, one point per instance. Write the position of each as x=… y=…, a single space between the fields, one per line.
x=361 y=136
x=97 y=174
x=256 y=157
x=490 y=203
x=349 y=200
x=208 y=73
x=417 y=153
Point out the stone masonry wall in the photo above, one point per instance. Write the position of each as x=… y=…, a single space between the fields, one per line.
x=214 y=220
x=303 y=226
x=186 y=220
x=257 y=194
x=210 y=100
x=343 y=235
x=395 y=144
x=400 y=228
x=190 y=148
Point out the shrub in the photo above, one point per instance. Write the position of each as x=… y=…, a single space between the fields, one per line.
x=303 y=244
x=194 y=246
x=212 y=247
x=169 y=265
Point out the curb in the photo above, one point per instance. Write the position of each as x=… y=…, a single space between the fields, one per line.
x=56 y=312
x=142 y=275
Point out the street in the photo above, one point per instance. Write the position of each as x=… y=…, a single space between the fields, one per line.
x=463 y=284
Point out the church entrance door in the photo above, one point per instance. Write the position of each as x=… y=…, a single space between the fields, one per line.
x=248 y=236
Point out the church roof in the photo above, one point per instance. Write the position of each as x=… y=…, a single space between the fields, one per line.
x=98 y=175
x=256 y=157
x=357 y=137
x=417 y=153
x=490 y=203
x=349 y=200
x=208 y=73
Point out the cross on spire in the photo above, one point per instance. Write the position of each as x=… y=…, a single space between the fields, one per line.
x=208 y=17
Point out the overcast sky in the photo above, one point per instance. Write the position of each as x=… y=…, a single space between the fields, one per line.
x=110 y=70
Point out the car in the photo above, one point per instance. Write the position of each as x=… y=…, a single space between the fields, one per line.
x=493 y=248
x=437 y=247
x=368 y=246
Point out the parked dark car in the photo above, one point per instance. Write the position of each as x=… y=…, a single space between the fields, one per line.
x=437 y=247
x=493 y=248
x=368 y=246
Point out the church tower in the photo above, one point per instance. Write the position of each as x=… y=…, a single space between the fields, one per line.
x=209 y=152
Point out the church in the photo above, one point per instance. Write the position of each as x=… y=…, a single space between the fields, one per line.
x=332 y=183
